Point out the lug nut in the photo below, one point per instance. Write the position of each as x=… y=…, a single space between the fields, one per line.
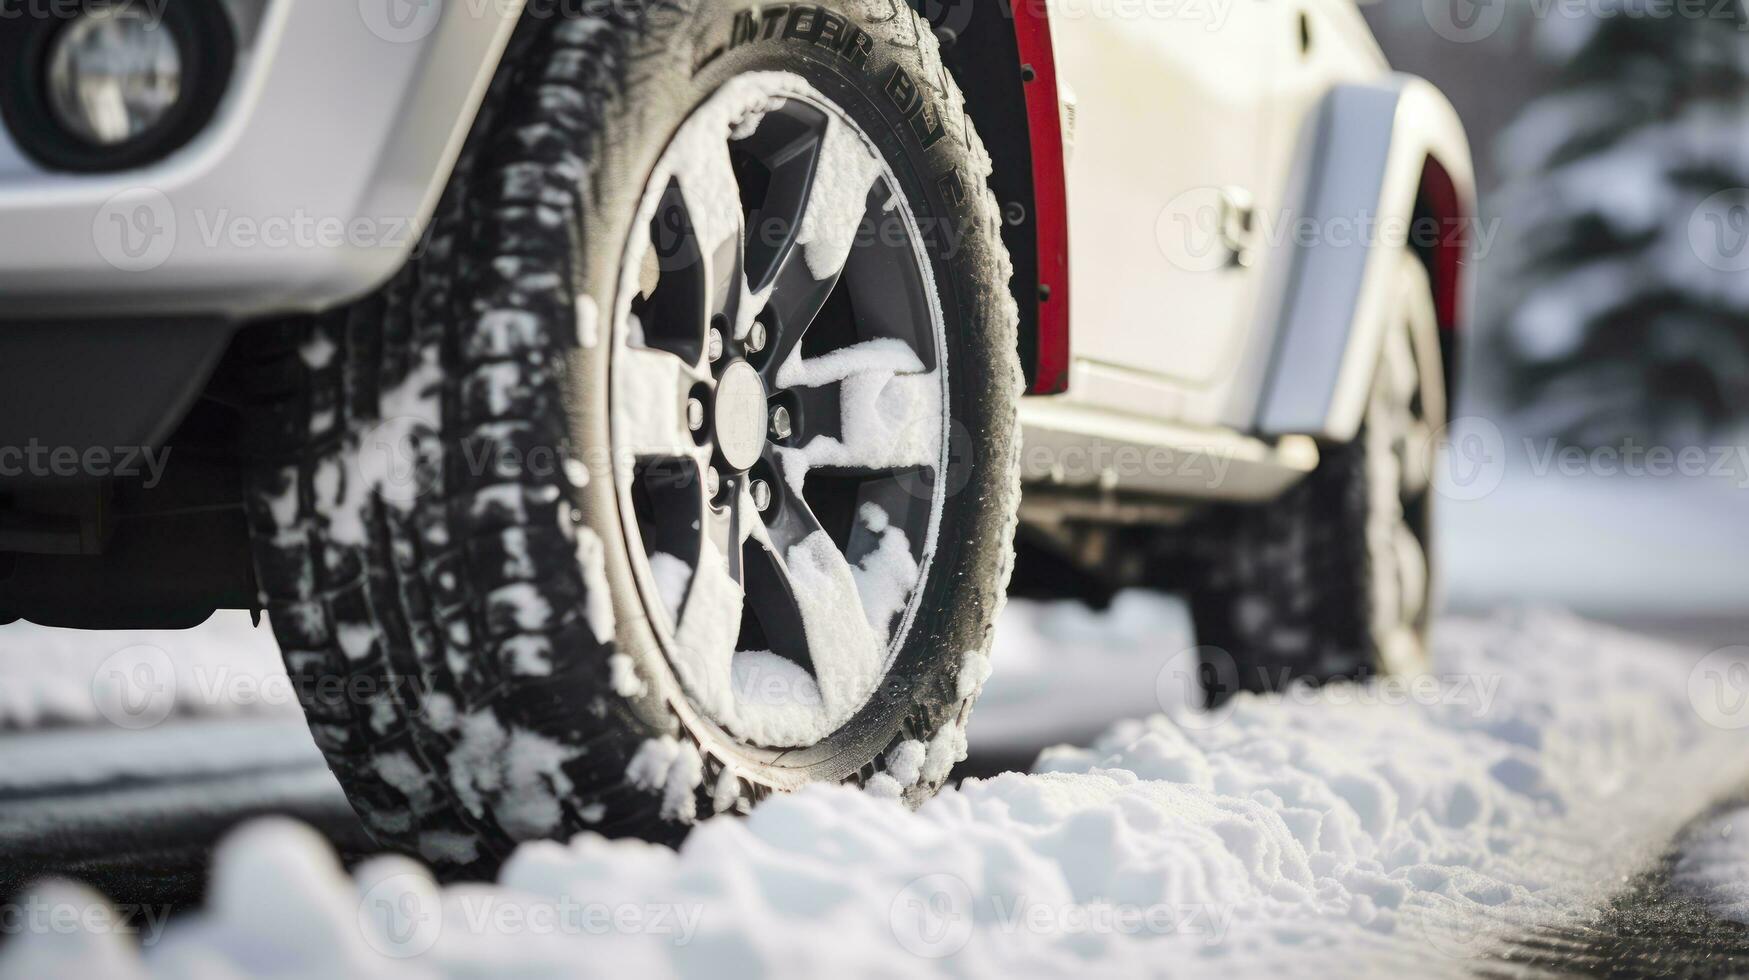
x=780 y=424
x=716 y=344
x=756 y=338
x=712 y=482
x=761 y=495
x=694 y=414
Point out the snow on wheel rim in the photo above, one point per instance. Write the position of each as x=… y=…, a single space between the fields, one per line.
x=779 y=411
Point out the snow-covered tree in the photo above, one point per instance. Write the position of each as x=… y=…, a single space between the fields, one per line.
x=1618 y=293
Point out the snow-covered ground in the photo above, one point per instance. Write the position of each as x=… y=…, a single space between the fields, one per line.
x=1385 y=828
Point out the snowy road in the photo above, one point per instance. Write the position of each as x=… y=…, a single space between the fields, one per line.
x=1516 y=811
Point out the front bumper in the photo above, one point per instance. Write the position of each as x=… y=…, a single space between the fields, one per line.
x=310 y=186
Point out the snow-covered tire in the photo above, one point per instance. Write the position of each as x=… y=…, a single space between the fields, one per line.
x=434 y=501
x=1334 y=579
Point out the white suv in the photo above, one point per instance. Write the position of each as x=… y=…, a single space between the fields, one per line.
x=624 y=409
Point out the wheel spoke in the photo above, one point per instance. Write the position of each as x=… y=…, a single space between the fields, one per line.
x=651 y=414
x=771 y=593
x=710 y=619
x=794 y=304
x=845 y=191
x=789 y=520
x=775 y=165
x=837 y=201
x=669 y=311
x=713 y=199
x=815 y=611
x=814 y=412
x=729 y=525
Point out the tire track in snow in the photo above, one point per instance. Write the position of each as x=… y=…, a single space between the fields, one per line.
x=1651 y=928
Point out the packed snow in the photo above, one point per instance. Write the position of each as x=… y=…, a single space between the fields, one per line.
x=891 y=411
x=1397 y=826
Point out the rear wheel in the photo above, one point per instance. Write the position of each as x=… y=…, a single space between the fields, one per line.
x=1335 y=578
x=679 y=469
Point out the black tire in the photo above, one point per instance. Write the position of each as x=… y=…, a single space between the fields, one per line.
x=437 y=620
x=1299 y=587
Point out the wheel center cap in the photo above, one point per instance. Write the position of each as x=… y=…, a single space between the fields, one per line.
x=740 y=416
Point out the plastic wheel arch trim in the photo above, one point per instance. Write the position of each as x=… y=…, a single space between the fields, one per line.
x=1032 y=34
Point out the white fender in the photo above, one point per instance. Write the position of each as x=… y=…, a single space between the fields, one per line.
x=1370 y=151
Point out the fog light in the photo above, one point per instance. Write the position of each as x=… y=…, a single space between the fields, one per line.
x=113 y=74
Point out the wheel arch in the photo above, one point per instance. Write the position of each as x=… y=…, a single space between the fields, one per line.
x=1001 y=56
x=1392 y=152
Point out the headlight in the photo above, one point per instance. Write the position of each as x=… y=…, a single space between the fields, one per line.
x=114 y=73
x=98 y=86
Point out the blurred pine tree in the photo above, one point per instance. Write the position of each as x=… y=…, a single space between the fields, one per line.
x=1618 y=295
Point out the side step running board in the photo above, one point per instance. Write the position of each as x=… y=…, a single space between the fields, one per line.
x=1072 y=447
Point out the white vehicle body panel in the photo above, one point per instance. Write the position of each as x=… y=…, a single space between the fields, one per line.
x=1205 y=132
x=1174 y=113
x=342 y=122
x=1169 y=110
